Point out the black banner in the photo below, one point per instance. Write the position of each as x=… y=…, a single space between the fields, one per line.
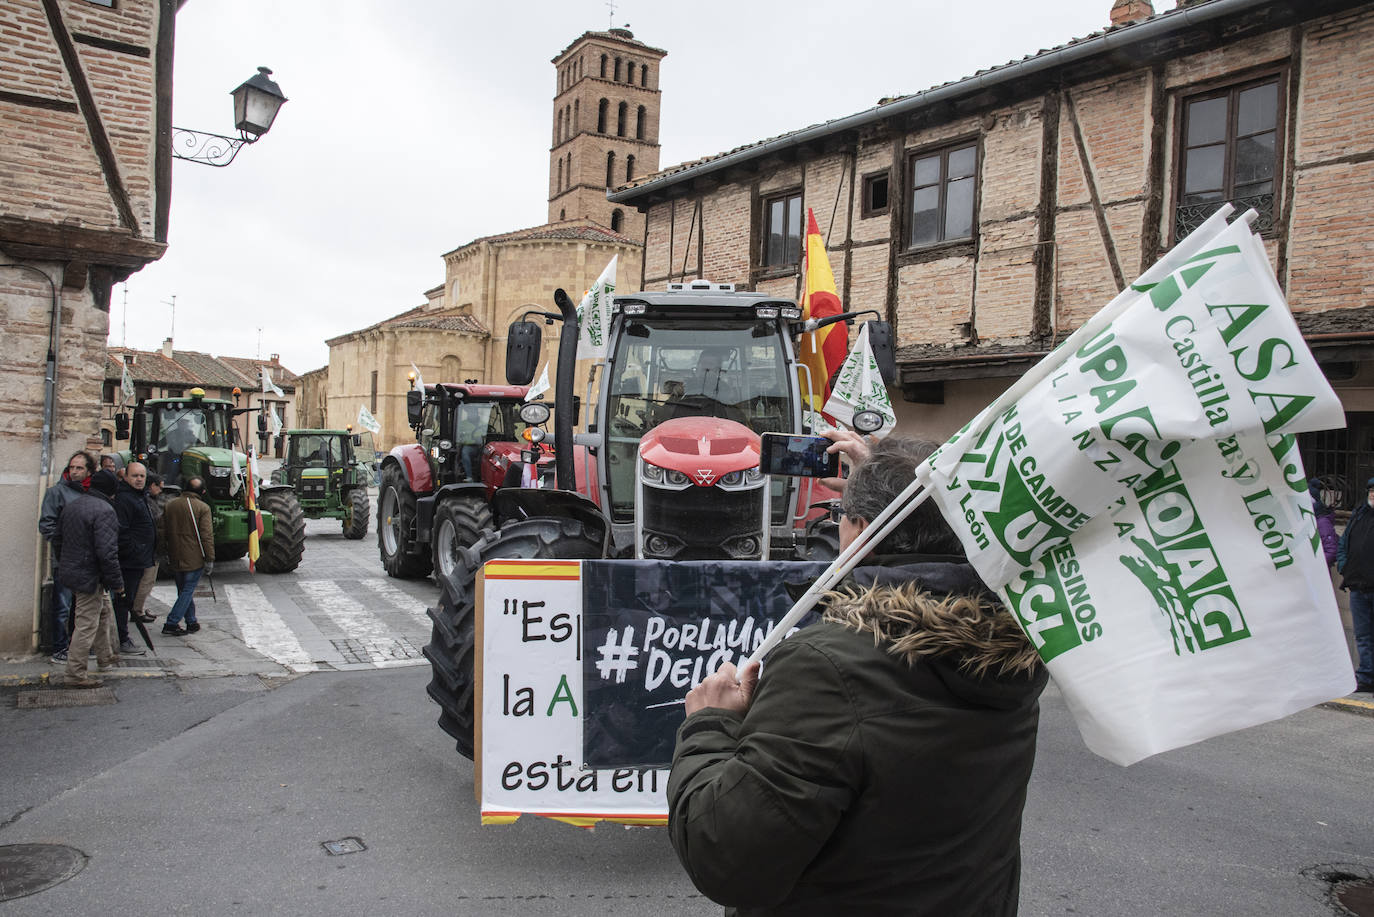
x=652 y=629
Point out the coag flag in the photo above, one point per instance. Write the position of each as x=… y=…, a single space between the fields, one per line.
x=1141 y=507
x=859 y=387
x=268 y=385
x=594 y=316
x=823 y=350
x=539 y=387
x=126 y=382
x=250 y=496
x=367 y=421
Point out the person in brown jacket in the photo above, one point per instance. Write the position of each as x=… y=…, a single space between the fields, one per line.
x=188 y=532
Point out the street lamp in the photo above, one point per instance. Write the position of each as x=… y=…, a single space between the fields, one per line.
x=256 y=103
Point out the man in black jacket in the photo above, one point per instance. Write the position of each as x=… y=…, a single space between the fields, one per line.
x=880 y=764
x=90 y=561
x=1355 y=562
x=137 y=539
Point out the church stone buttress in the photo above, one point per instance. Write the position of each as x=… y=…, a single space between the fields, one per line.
x=605 y=127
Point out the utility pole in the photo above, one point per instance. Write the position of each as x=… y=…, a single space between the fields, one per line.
x=173 y=304
x=259 y=356
x=124 y=325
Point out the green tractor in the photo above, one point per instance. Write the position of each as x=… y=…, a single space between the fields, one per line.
x=329 y=471
x=182 y=438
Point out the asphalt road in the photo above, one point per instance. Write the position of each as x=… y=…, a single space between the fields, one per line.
x=216 y=794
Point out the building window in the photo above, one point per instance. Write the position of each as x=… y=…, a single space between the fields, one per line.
x=603 y=66
x=576 y=105
x=617 y=220
x=782 y=230
x=875 y=194
x=644 y=74
x=174 y=393
x=601 y=116
x=942 y=192
x=620 y=119
x=559 y=186
x=630 y=72
x=617 y=70
x=1228 y=151
x=143 y=392
x=107 y=394
x=629 y=168
x=610 y=169
x=562 y=215
x=105 y=438
x=639 y=123
x=373 y=409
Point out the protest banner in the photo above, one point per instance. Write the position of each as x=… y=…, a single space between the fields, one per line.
x=582 y=672
x=367 y=421
x=859 y=387
x=594 y=315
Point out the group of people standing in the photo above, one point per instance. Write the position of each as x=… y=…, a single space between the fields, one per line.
x=107 y=532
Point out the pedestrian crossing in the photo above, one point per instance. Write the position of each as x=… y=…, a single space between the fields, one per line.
x=311 y=625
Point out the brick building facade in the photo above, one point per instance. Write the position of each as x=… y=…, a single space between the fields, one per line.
x=988 y=217
x=85 y=117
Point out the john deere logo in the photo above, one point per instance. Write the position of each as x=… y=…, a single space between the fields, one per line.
x=705 y=476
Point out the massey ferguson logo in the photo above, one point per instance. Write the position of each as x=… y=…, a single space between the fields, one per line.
x=705 y=476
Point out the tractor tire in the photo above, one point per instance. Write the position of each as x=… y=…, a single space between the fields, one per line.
x=278 y=475
x=452 y=646
x=396 y=528
x=360 y=509
x=283 y=552
x=458 y=524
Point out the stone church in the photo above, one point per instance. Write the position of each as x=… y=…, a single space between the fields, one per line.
x=605 y=133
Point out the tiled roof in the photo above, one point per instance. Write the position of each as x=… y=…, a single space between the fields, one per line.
x=442 y=321
x=572 y=230
x=212 y=372
x=619 y=36
x=245 y=366
x=191 y=367
x=148 y=366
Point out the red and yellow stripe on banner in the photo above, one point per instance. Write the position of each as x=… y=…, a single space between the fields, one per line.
x=576 y=819
x=823 y=351
x=532 y=569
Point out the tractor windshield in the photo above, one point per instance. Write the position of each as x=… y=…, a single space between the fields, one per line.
x=179 y=428
x=322 y=449
x=664 y=369
x=476 y=423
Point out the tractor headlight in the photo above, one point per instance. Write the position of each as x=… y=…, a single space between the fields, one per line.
x=666 y=478
x=534 y=434
x=218 y=472
x=653 y=474
x=745 y=479
x=676 y=478
x=765 y=311
x=445 y=445
x=790 y=312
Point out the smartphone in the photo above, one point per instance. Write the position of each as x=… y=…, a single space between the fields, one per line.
x=798 y=456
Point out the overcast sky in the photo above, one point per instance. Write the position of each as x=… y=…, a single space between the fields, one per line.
x=415 y=126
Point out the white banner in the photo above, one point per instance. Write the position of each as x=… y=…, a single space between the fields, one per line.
x=541 y=386
x=126 y=382
x=1142 y=508
x=367 y=421
x=235 y=472
x=268 y=385
x=274 y=419
x=859 y=387
x=594 y=316
x=419 y=379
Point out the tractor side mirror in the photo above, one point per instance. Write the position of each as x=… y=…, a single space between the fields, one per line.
x=880 y=339
x=522 y=352
x=122 y=430
x=415 y=406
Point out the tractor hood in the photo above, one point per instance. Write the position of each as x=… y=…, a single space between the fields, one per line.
x=214 y=464
x=704 y=448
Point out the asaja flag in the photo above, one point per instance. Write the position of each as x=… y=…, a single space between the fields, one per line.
x=594 y=316
x=541 y=386
x=1141 y=507
x=823 y=351
x=126 y=382
x=367 y=421
x=255 y=526
x=859 y=387
x=419 y=379
x=268 y=385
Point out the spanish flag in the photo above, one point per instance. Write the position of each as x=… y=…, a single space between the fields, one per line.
x=254 y=517
x=823 y=351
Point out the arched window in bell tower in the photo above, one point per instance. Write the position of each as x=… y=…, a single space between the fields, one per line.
x=603 y=66
x=617 y=70
x=559 y=186
x=575 y=107
x=630 y=72
x=620 y=119
x=617 y=220
x=610 y=169
x=629 y=168
x=601 y=116
x=639 y=123
x=644 y=74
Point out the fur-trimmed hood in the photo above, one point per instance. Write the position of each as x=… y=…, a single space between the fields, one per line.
x=935 y=609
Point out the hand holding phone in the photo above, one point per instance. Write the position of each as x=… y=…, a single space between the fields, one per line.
x=795 y=455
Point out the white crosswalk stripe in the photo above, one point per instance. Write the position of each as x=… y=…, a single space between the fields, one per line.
x=357 y=622
x=398 y=598
x=264 y=630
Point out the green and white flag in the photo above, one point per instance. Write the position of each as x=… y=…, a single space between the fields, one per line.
x=1140 y=505
x=541 y=386
x=419 y=380
x=275 y=420
x=268 y=385
x=367 y=421
x=594 y=316
x=126 y=382
x=859 y=387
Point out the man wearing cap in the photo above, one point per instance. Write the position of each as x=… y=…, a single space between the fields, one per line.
x=90 y=564
x=1355 y=561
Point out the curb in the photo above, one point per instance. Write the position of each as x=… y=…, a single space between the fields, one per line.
x=54 y=679
x=1351 y=705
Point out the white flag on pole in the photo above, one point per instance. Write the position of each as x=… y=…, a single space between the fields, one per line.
x=594 y=316
x=541 y=386
x=235 y=472
x=126 y=382
x=268 y=385
x=419 y=379
x=275 y=420
x=1140 y=506
x=859 y=387
x=367 y=421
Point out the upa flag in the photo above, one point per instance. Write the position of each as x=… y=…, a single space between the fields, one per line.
x=126 y=382
x=1140 y=506
x=823 y=350
x=594 y=316
x=268 y=385
x=255 y=527
x=859 y=387
x=367 y=421
x=541 y=386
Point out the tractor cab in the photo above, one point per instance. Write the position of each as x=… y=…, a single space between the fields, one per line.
x=330 y=471
x=472 y=433
x=183 y=437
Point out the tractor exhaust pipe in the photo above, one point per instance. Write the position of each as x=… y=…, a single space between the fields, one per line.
x=565 y=392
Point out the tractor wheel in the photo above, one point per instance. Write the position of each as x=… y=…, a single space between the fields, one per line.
x=282 y=553
x=355 y=526
x=278 y=475
x=458 y=524
x=452 y=646
x=396 y=528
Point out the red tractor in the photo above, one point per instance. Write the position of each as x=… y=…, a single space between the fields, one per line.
x=435 y=492
x=668 y=465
